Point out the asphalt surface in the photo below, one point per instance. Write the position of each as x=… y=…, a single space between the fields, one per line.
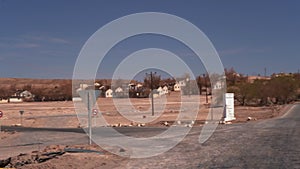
x=272 y=143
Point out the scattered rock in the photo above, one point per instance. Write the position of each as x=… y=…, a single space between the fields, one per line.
x=251 y=119
x=141 y=125
x=22 y=154
x=16 y=125
x=54 y=153
x=188 y=125
x=4 y=163
x=43 y=159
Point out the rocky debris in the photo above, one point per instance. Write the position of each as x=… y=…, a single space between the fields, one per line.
x=166 y=123
x=225 y=122
x=34 y=157
x=47 y=156
x=186 y=123
x=141 y=125
x=16 y=125
x=251 y=119
x=127 y=125
x=49 y=153
x=4 y=163
x=122 y=150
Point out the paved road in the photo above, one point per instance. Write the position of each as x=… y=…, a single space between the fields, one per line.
x=272 y=143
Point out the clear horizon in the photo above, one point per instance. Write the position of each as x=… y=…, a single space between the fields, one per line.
x=42 y=39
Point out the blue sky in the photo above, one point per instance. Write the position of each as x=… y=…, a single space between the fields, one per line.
x=42 y=39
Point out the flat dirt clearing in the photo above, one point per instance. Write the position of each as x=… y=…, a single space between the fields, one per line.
x=61 y=115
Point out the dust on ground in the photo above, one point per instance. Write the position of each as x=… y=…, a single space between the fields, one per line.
x=63 y=115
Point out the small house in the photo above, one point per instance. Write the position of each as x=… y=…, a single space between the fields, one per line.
x=182 y=83
x=165 y=89
x=177 y=87
x=119 y=90
x=109 y=93
x=160 y=91
x=15 y=100
x=120 y=93
x=3 y=100
x=139 y=85
x=26 y=95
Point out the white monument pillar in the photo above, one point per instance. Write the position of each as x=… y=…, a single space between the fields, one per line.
x=229 y=107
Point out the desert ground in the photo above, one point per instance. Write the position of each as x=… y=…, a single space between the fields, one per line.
x=63 y=115
x=20 y=137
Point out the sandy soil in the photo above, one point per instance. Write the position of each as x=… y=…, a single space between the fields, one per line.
x=63 y=115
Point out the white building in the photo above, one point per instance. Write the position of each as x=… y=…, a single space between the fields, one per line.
x=97 y=84
x=15 y=100
x=177 y=87
x=83 y=86
x=109 y=93
x=26 y=94
x=3 y=101
x=179 y=84
x=165 y=89
x=217 y=85
x=119 y=90
x=160 y=91
x=182 y=83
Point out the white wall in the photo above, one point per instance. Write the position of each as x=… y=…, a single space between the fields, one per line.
x=15 y=100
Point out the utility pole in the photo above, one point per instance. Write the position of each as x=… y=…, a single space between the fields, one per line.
x=206 y=95
x=265 y=72
x=1 y=115
x=188 y=86
x=151 y=86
